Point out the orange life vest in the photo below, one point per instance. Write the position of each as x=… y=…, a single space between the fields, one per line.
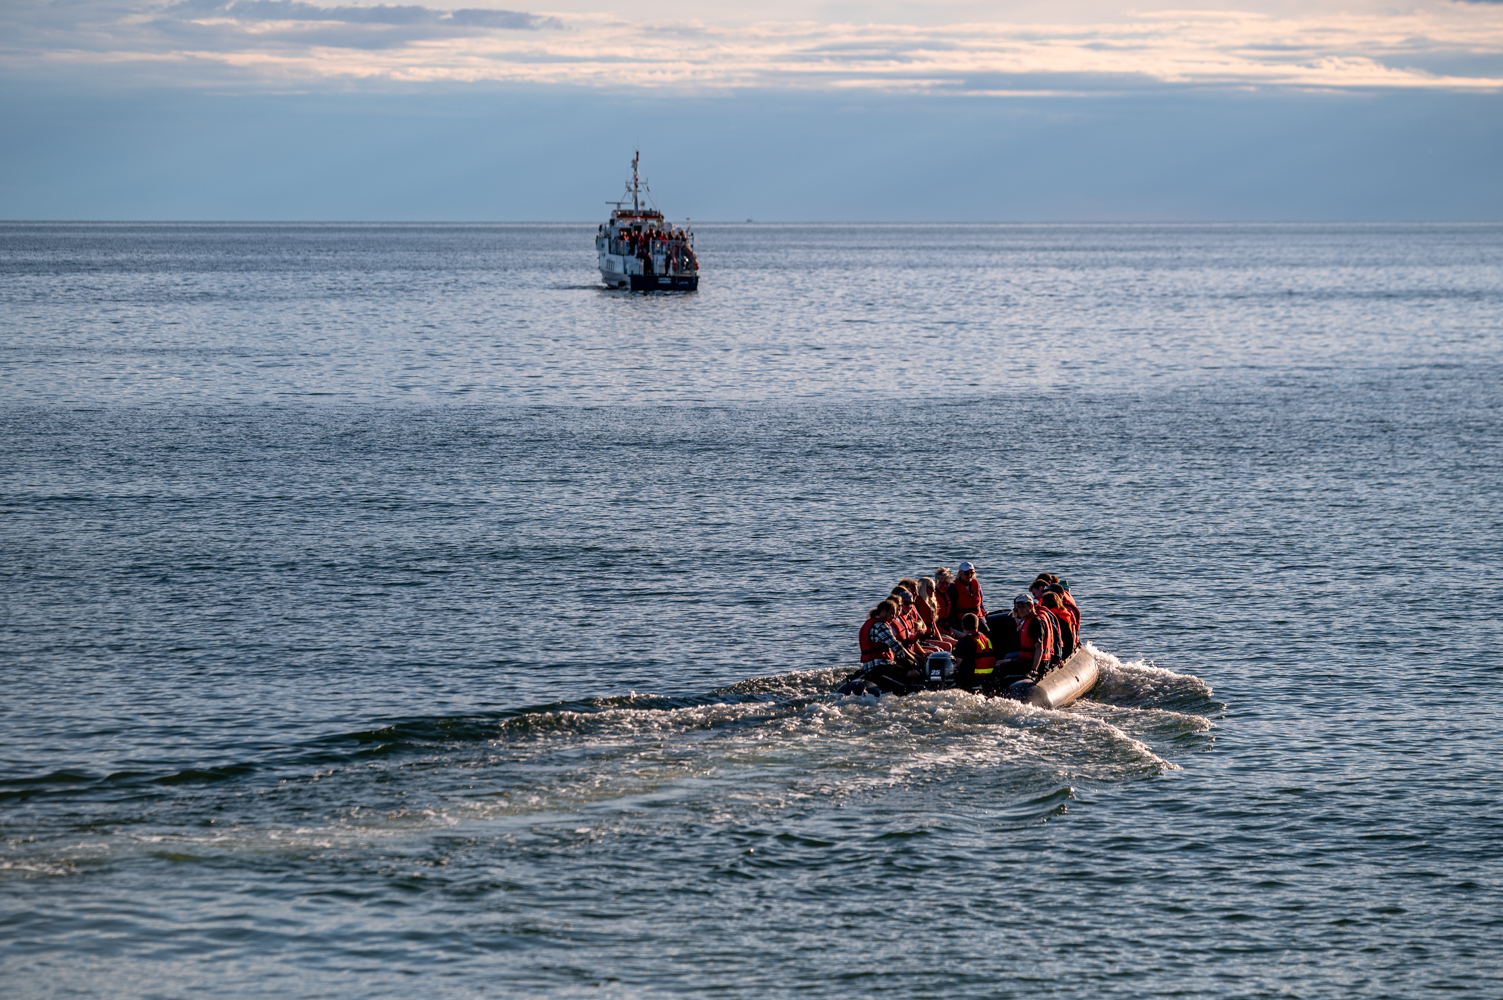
x=1051 y=635
x=1064 y=631
x=986 y=656
x=968 y=598
x=1073 y=609
x=871 y=649
x=927 y=613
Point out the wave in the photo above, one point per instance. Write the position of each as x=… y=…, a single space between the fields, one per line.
x=1139 y=716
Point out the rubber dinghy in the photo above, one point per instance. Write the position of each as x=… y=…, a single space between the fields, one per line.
x=1068 y=682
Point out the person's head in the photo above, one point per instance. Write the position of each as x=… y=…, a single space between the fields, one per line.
x=1054 y=588
x=886 y=610
x=1022 y=606
x=897 y=594
x=967 y=571
x=943 y=576
x=968 y=622
x=904 y=599
x=1037 y=587
x=1051 y=600
x=926 y=588
x=909 y=584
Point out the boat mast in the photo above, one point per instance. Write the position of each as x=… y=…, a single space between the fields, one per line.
x=635 y=183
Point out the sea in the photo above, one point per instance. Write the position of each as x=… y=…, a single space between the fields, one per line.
x=393 y=611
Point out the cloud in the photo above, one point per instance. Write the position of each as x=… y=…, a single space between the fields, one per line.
x=296 y=41
x=294 y=10
x=225 y=27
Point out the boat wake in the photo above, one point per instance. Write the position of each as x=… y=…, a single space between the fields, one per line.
x=759 y=751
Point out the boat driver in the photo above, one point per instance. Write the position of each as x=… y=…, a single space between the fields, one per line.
x=974 y=656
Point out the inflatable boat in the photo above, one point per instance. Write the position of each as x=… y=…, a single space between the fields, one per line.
x=1066 y=683
x=1070 y=681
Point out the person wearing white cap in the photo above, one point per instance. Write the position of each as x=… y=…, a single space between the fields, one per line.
x=964 y=598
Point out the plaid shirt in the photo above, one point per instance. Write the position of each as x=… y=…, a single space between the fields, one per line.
x=883 y=634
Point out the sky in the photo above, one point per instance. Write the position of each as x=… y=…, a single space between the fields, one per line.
x=945 y=111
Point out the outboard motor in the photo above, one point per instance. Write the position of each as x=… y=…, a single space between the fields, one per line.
x=939 y=670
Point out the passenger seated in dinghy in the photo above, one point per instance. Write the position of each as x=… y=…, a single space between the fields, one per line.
x=1038 y=639
x=909 y=625
x=964 y=598
x=928 y=610
x=942 y=580
x=919 y=629
x=883 y=652
x=974 y=657
x=903 y=623
x=1068 y=637
x=1049 y=583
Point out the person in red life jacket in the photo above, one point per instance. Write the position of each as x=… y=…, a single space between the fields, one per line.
x=974 y=657
x=942 y=580
x=1064 y=624
x=1063 y=590
x=910 y=624
x=903 y=623
x=1037 y=640
x=1070 y=607
x=1047 y=582
x=883 y=654
x=965 y=597
x=928 y=610
x=907 y=608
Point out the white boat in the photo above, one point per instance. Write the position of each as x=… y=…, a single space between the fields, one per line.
x=639 y=250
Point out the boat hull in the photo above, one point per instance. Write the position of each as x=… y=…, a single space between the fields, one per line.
x=1068 y=682
x=651 y=282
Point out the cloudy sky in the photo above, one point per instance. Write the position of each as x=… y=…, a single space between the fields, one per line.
x=778 y=110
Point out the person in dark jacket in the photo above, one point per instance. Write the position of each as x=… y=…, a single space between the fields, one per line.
x=1036 y=635
x=974 y=657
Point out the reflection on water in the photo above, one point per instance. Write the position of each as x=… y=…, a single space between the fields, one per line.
x=383 y=611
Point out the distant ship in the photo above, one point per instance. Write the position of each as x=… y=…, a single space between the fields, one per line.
x=639 y=251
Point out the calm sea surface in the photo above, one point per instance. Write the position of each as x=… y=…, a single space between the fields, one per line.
x=389 y=611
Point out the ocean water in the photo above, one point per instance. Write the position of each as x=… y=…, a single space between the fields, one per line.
x=390 y=610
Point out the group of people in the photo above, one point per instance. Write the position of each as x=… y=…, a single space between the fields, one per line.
x=947 y=612
x=679 y=255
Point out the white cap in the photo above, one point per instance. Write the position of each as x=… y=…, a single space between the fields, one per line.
x=966 y=566
x=1023 y=599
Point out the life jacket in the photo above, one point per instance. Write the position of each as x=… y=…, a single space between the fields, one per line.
x=1064 y=631
x=928 y=614
x=1051 y=635
x=966 y=599
x=986 y=656
x=902 y=628
x=1074 y=610
x=871 y=649
x=913 y=622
